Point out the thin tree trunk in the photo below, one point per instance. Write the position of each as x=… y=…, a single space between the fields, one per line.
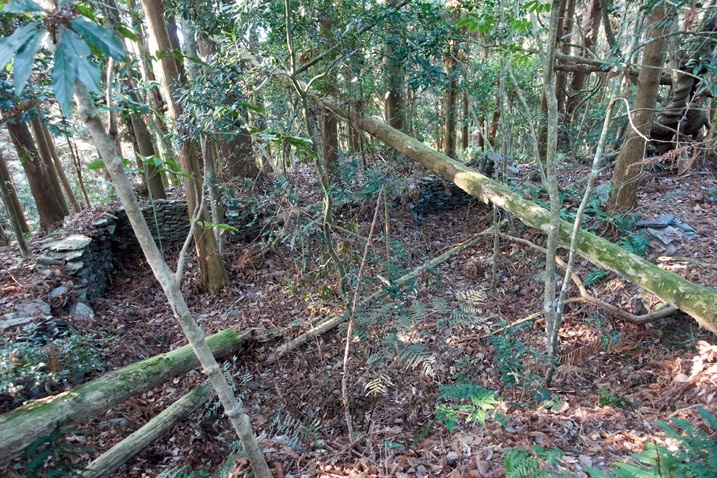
x=14 y=218
x=589 y=34
x=465 y=121
x=78 y=169
x=451 y=101
x=60 y=170
x=14 y=201
x=145 y=148
x=395 y=110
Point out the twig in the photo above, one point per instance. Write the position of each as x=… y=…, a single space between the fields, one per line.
x=586 y=297
x=349 y=330
x=332 y=322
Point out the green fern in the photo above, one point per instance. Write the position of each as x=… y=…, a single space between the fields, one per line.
x=634 y=243
x=520 y=463
x=595 y=277
x=379 y=384
x=183 y=472
x=415 y=355
x=535 y=463
x=695 y=457
x=481 y=402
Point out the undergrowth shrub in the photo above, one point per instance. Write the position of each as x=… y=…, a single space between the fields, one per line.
x=34 y=368
x=513 y=358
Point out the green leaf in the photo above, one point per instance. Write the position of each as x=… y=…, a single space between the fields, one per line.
x=22 y=6
x=86 y=12
x=250 y=106
x=127 y=33
x=95 y=165
x=63 y=79
x=99 y=37
x=79 y=55
x=24 y=60
x=10 y=45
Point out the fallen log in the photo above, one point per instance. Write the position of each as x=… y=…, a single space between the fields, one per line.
x=152 y=430
x=697 y=301
x=26 y=424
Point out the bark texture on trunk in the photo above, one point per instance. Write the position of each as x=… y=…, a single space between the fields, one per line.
x=49 y=206
x=12 y=194
x=451 y=102
x=213 y=275
x=686 y=114
x=626 y=179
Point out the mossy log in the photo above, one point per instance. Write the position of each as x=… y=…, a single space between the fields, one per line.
x=697 y=301
x=24 y=425
x=152 y=430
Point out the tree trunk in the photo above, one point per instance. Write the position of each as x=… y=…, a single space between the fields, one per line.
x=43 y=150
x=685 y=114
x=330 y=145
x=26 y=424
x=395 y=111
x=170 y=282
x=237 y=153
x=145 y=148
x=49 y=206
x=451 y=101
x=588 y=35
x=13 y=216
x=151 y=431
x=697 y=301
x=212 y=273
x=466 y=121
x=43 y=135
x=78 y=169
x=14 y=201
x=565 y=27
x=625 y=179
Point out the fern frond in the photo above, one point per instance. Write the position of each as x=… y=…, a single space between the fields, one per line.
x=470 y=296
x=465 y=319
x=440 y=306
x=378 y=385
x=414 y=355
x=588 y=350
x=595 y=277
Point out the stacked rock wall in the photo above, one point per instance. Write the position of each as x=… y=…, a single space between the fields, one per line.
x=89 y=257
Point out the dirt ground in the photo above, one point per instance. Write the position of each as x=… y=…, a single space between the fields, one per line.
x=601 y=407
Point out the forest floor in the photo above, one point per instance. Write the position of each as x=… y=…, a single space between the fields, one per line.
x=602 y=406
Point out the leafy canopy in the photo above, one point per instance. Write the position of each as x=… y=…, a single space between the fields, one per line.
x=74 y=39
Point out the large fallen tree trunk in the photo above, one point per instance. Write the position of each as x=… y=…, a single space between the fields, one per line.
x=26 y=424
x=697 y=301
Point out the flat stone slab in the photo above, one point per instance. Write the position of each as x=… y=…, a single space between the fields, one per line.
x=74 y=242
